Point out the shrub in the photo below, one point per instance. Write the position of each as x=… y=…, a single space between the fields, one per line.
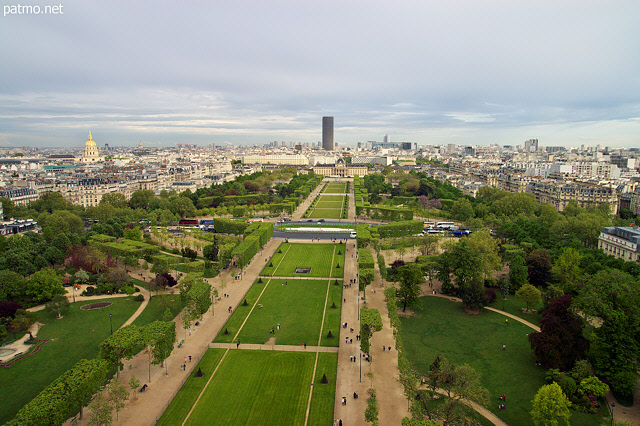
x=139 y=298
x=491 y=294
x=90 y=291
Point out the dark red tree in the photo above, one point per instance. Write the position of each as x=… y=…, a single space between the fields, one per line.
x=8 y=309
x=560 y=342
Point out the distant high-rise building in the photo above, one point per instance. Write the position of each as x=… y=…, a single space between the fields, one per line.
x=385 y=139
x=327 y=133
x=531 y=145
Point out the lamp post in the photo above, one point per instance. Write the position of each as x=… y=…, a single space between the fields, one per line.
x=613 y=405
x=212 y=296
x=111 y=322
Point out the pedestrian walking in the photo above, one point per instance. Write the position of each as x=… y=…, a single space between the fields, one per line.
x=238 y=344
x=504 y=347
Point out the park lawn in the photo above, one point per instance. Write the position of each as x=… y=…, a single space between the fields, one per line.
x=515 y=307
x=257 y=387
x=443 y=327
x=329 y=204
x=297 y=305
x=321 y=258
x=76 y=336
x=157 y=306
x=331 y=198
x=324 y=395
x=181 y=404
x=325 y=214
x=241 y=312
x=335 y=188
x=332 y=319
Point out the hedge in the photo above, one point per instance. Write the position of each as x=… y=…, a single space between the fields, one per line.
x=124 y=248
x=363 y=236
x=365 y=259
x=244 y=252
x=229 y=226
x=400 y=229
x=383 y=213
x=382 y=265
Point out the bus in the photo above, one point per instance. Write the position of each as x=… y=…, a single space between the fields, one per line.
x=208 y=222
x=447 y=225
x=258 y=219
x=188 y=222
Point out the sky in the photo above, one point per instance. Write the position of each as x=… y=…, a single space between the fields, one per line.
x=473 y=72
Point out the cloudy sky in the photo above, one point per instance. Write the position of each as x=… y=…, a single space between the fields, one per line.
x=253 y=71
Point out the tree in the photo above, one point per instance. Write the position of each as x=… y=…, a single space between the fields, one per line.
x=518 y=273
x=44 y=284
x=159 y=336
x=120 y=345
x=141 y=199
x=551 y=406
x=612 y=298
x=133 y=234
x=12 y=286
x=115 y=199
x=199 y=298
x=118 y=277
x=529 y=295
x=567 y=271
x=134 y=384
x=118 y=394
x=81 y=277
x=539 y=266
x=59 y=304
x=211 y=251
x=370 y=321
x=592 y=385
x=101 y=409
x=461 y=385
x=9 y=308
x=428 y=244
x=475 y=297
x=462 y=210
x=372 y=410
x=160 y=266
x=560 y=341
x=410 y=277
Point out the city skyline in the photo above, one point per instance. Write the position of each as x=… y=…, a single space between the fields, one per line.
x=468 y=73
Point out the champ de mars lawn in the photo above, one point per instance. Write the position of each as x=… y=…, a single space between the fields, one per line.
x=443 y=327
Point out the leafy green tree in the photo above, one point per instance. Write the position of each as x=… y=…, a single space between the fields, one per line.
x=141 y=199
x=115 y=199
x=518 y=273
x=120 y=345
x=118 y=394
x=199 y=298
x=567 y=271
x=370 y=321
x=134 y=384
x=160 y=266
x=101 y=411
x=372 y=410
x=44 y=284
x=462 y=210
x=133 y=234
x=59 y=304
x=12 y=286
x=551 y=406
x=410 y=277
x=418 y=422
x=612 y=298
x=529 y=295
x=461 y=385
x=183 y=206
x=475 y=297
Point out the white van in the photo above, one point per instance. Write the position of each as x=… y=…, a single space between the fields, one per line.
x=353 y=234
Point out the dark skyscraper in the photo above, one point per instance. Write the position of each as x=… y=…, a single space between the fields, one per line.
x=327 y=133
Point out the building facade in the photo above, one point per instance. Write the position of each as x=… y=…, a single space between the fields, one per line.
x=621 y=241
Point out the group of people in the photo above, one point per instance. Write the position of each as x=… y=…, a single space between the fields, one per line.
x=502 y=398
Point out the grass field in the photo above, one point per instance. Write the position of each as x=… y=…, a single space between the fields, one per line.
x=335 y=188
x=186 y=397
x=323 y=259
x=444 y=328
x=257 y=387
x=298 y=306
x=325 y=214
x=76 y=336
